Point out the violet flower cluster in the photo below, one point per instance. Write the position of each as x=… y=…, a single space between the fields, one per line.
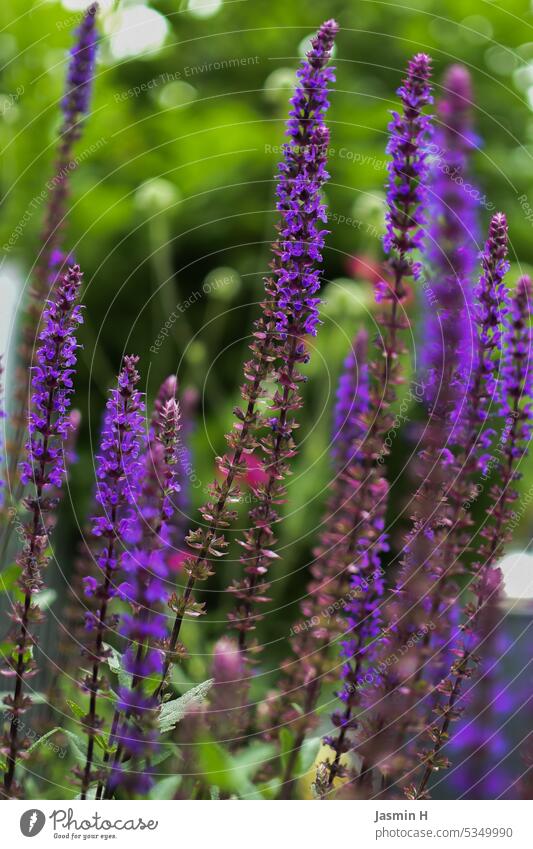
x=301 y=176
x=451 y=251
x=119 y=475
x=74 y=106
x=408 y=168
x=295 y=284
x=487 y=584
x=147 y=590
x=361 y=611
x=53 y=260
x=49 y=425
x=76 y=102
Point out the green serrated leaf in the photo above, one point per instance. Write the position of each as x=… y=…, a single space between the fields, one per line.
x=114 y=661
x=173 y=711
x=98 y=738
x=78 y=753
x=42 y=739
x=76 y=709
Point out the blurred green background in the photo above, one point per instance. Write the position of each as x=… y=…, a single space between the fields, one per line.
x=173 y=202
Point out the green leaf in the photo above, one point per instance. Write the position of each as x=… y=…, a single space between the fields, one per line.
x=98 y=738
x=166 y=787
x=76 y=709
x=78 y=753
x=286 y=744
x=9 y=577
x=308 y=753
x=173 y=712
x=164 y=752
x=114 y=661
x=42 y=739
x=214 y=791
x=234 y=773
x=45 y=599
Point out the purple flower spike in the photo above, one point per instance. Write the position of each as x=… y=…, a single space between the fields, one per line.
x=516 y=389
x=353 y=402
x=406 y=193
x=56 y=360
x=302 y=174
x=75 y=106
x=80 y=74
x=451 y=244
x=147 y=591
x=294 y=285
x=517 y=369
x=49 y=427
x=118 y=472
x=490 y=307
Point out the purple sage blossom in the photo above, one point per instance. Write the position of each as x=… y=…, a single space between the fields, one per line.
x=76 y=102
x=516 y=390
x=296 y=280
x=49 y=426
x=302 y=174
x=209 y=542
x=408 y=170
x=119 y=473
x=147 y=591
x=74 y=106
x=453 y=233
x=52 y=260
x=353 y=402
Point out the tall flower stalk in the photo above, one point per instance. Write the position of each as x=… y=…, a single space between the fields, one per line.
x=450 y=248
x=146 y=590
x=52 y=260
x=119 y=471
x=410 y=131
x=468 y=423
x=208 y=541
x=366 y=494
x=356 y=544
x=421 y=605
x=516 y=393
x=49 y=425
x=337 y=571
x=296 y=278
x=466 y=433
x=74 y=106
